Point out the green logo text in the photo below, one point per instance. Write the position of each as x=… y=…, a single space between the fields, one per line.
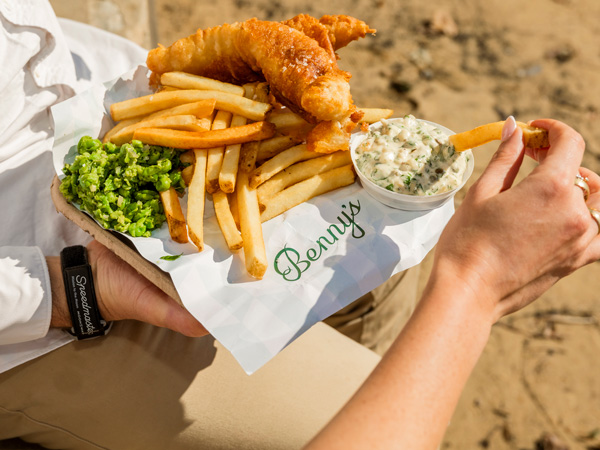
x=290 y=264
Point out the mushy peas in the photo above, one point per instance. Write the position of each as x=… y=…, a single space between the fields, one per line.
x=412 y=157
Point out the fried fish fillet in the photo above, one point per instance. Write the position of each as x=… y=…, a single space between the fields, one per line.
x=331 y=32
x=301 y=71
x=212 y=53
x=301 y=74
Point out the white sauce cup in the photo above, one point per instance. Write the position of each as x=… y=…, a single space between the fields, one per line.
x=405 y=201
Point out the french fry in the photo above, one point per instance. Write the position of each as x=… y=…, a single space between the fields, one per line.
x=307 y=189
x=226 y=221
x=248 y=154
x=182 y=80
x=279 y=162
x=231 y=158
x=301 y=171
x=286 y=119
x=207 y=139
x=272 y=146
x=200 y=109
x=187 y=173
x=372 y=115
x=249 y=90
x=255 y=254
x=235 y=104
x=215 y=154
x=234 y=208
x=532 y=137
x=290 y=124
x=118 y=127
x=231 y=163
x=196 y=199
x=167 y=88
x=183 y=122
x=174 y=214
x=187 y=157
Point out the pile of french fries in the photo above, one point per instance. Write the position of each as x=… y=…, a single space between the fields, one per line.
x=244 y=152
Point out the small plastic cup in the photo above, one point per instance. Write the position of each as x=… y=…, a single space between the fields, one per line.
x=405 y=201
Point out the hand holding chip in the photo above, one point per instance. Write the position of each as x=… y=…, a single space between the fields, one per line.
x=506 y=245
x=513 y=241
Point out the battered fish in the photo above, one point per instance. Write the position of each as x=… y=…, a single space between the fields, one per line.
x=331 y=32
x=301 y=70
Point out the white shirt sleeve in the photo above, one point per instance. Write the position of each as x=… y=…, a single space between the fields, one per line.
x=25 y=296
x=38 y=70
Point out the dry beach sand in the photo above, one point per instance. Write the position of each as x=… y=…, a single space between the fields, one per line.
x=462 y=63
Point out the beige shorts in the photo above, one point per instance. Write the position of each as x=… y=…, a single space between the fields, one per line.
x=142 y=387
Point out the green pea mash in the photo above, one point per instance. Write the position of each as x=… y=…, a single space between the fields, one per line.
x=119 y=186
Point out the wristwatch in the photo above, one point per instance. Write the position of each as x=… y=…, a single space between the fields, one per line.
x=81 y=296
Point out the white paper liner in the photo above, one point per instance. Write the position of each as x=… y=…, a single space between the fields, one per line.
x=360 y=243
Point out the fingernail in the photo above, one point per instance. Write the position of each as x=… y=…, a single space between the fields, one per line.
x=510 y=125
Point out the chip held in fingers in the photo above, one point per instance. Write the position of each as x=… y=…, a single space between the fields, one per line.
x=532 y=137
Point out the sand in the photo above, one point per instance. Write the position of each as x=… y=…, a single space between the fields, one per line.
x=461 y=64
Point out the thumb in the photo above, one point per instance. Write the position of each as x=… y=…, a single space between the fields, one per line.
x=502 y=170
x=157 y=308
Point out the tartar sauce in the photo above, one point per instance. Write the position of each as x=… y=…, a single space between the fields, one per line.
x=409 y=156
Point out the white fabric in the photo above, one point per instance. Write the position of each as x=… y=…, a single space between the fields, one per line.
x=99 y=56
x=24 y=297
x=38 y=71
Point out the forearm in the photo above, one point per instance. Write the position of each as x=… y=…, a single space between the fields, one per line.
x=410 y=397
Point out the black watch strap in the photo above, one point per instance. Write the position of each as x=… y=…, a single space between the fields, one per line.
x=81 y=295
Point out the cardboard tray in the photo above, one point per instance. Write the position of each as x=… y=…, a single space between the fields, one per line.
x=120 y=245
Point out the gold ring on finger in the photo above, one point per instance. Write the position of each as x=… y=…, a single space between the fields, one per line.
x=596 y=216
x=582 y=183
